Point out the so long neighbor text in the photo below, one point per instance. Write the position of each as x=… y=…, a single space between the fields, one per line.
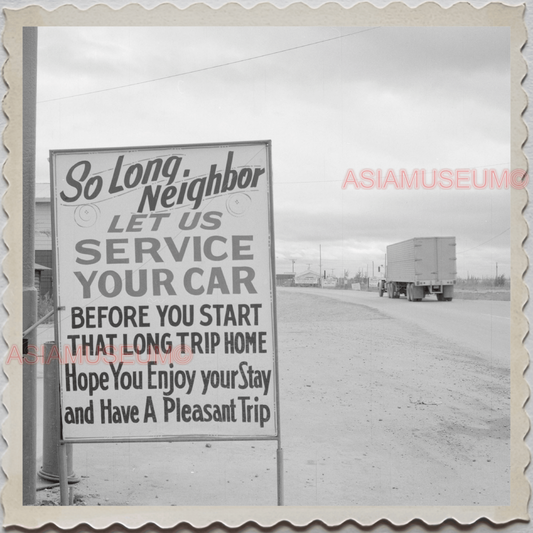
x=122 y=247
x=139 y=250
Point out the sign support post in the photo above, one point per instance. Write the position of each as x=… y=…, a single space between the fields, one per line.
x=279 y=457
x=63 y=474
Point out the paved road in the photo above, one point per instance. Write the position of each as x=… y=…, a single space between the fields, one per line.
x=482 y=325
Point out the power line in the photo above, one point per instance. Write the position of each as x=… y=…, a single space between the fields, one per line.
x=207 y=68
x=316 y=181
x=337 y=181
x=492 y=238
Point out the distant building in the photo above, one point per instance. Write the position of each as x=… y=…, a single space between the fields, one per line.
x=285 y=280
x=307 y=279
x=330 y=282
x=373 y=282
x=39 y=270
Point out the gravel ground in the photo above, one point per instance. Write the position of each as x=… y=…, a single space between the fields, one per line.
x=374 y=412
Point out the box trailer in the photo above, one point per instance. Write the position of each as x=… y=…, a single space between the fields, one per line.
x=418 y=267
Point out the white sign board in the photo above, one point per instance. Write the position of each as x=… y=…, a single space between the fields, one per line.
x=165 y=292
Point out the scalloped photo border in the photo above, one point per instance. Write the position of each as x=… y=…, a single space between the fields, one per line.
x=397 y=14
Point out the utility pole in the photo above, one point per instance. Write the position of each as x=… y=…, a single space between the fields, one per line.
x=320 y=266
x=29 y=293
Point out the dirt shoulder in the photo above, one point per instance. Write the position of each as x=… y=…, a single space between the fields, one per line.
x=374 y=411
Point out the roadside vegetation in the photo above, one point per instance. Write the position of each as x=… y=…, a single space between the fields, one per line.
x=474 y=283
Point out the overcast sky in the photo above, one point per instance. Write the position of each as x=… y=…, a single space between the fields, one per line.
x=331 y=100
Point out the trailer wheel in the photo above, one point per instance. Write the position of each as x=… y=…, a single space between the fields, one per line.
x=447 y=293
x=380 y=289
x=409 y=293
x=393 y=289
x=389 y=289
x=440 y=297
x=417 y=293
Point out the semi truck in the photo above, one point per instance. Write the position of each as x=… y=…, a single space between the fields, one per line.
x=419 y=267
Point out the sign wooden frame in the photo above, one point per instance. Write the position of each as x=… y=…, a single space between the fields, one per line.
x=90 y=194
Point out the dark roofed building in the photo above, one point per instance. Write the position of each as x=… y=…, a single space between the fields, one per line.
x=285 y=280
x=307 y=279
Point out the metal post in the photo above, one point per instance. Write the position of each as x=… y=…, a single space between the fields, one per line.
x=63 y=477
x=52 y=420
x=320 y=266
x=29 y=293
x=279 y=457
